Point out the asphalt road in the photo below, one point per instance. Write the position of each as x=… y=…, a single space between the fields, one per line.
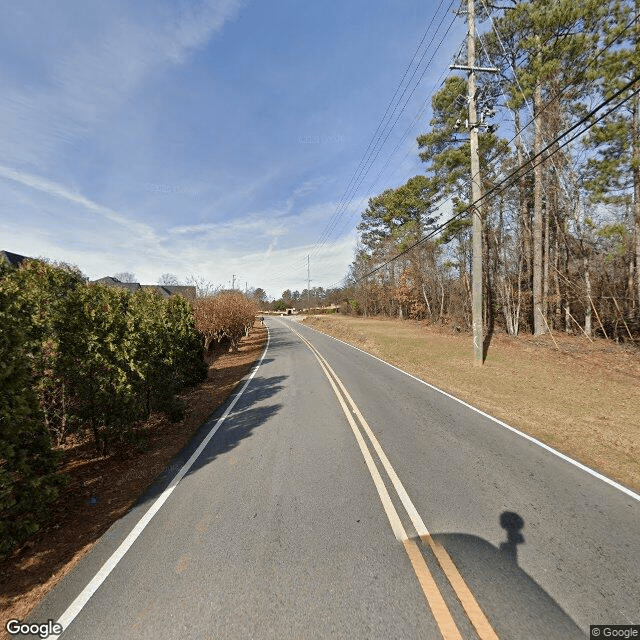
x=290 y=523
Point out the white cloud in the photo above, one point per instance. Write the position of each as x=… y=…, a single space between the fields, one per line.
x=102 y=240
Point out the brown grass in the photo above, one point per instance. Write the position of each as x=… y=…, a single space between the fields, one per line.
x=582 y=399
x=32 y=571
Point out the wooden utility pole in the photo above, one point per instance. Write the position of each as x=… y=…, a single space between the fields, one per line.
x=308 y=287
x=539 y=321
x=476 y=194
x=476 y=187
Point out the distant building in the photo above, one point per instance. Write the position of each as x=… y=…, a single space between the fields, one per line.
x=14 y=259
x=114 y=282
x=165 y=290
x=168 y=290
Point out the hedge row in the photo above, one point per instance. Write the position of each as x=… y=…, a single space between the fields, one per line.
x=77 y=357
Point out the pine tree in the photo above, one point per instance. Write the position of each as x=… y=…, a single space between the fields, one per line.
x=613 y=173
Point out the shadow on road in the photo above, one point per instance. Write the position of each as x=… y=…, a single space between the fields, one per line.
x=239 y=424
x=282 y=340
x=517 y=607
x=243 y=419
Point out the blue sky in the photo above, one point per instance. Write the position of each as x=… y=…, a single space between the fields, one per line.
x=212 y=138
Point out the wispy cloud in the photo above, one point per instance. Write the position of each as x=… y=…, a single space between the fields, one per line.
x=54 y=189
x=171 y=135
x=91 y=73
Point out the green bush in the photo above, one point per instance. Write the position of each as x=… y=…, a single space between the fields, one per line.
x=97 y=348
x=40 y=293
x=129 y=354
x=166 y=348
x=28 y=479
x=78 y=356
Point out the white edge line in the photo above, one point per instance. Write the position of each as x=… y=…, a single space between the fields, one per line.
x=76 y=606
x=564 y=457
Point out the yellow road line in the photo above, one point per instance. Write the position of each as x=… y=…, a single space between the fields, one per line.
x=434 y=598
x=465 y=596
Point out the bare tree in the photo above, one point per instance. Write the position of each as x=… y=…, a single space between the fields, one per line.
x=125 y=276
x=168 y=279
x=204 y=287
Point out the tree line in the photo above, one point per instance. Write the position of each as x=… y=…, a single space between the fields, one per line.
x=314 y=297
x=561 y=213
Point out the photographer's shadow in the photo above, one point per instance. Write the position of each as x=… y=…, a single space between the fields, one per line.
x=517 y=607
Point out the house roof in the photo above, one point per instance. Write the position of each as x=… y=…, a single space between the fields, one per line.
x=114 y=282
x=166 y=291
x=14 y=259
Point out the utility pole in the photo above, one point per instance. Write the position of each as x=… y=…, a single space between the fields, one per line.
x=476 y=194
x=233 y=282
x=476 y=187
x=308 y=287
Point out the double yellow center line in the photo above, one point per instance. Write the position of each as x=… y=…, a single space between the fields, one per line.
x=432 y=593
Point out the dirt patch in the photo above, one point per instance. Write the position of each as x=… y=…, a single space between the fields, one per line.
x=580 y=397
x=116 y=482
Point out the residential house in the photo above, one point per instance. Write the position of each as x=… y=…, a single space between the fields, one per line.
x=14 y=259
x=165 y=290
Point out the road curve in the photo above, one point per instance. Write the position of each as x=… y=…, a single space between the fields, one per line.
x=280 y=527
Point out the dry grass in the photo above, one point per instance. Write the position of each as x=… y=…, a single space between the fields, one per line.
x=582 y=399
x=32 y=571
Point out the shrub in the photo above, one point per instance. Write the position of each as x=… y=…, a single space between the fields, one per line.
x=228 y=316
x=40 y=293
x=28 y=479
x=74 y=355
x=99 y=357
x=166 y=348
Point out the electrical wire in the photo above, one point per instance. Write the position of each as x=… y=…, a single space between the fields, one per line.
x=366 y=162
x=360 y=173
x=348 y=195
x=402 y=139
x=560 y=93
x=517 y=172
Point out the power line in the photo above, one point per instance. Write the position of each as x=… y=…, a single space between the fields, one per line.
x=373 y=137
x=343 y=204
x=360 y=173
x=522 y=166
x=438 y=83
x=559 y=93
x=546 y=106
x=403 y=137
x=365 y=163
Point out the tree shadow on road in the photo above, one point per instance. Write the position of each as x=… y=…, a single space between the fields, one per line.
x=515 y=605
x=282 y=340
x=245 y=417
x=107 y=493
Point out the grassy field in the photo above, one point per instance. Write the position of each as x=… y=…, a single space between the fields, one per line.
x=580 y=397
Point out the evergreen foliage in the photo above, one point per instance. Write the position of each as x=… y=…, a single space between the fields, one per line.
x=561 y=233
x=73 y=357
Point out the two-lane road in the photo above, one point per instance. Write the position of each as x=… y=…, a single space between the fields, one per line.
x=342 y=498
